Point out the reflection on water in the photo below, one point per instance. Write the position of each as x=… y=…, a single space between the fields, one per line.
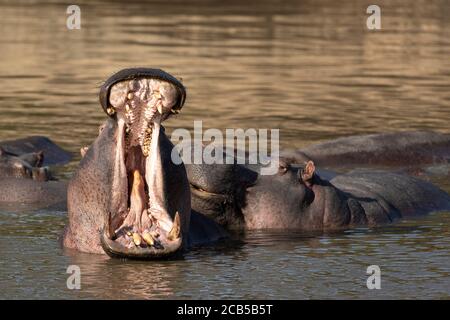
x=310 y=68
x=413 y=257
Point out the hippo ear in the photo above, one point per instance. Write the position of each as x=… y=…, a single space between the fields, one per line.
x=40 y=158
x=308 y=171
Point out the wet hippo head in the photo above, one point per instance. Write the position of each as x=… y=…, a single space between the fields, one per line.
x=26 y=166
x=128 y=199
x=238 y=198
x=218 y=191
x=280 y=201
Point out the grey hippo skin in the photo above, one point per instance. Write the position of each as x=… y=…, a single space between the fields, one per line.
x=239 y=198
x=398 y=149
x=127 y=198
x=53 y=154
x=23 y=179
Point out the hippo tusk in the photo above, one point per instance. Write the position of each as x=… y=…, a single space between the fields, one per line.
x=137 y=239
x=160 y=108
x=175 y=232
x=148 y=238
x=111 y=111
x=83 y=151
x=108 y=228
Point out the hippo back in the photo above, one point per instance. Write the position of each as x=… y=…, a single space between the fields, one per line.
x=398 y=194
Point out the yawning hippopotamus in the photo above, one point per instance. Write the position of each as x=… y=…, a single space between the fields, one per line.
x=238 y=197
x=127 y=198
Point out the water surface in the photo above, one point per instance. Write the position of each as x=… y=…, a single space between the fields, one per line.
x=309 y=68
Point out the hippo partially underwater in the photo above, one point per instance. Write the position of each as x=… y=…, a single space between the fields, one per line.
x=24 y=173
x=128 y=199
x=238 y=197
x=392 y=149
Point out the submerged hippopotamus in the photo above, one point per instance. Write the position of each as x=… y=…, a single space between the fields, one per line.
x=27 y=165
x=24 y=179
x=48 y=152
x=297 y=197
x=394 y=149
x=127 y=198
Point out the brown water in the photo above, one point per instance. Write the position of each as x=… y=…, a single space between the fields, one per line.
x=309 y=68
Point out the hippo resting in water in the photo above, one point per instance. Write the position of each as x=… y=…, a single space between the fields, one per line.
x=23 y=176
x=238 y=197
x=127 y=198
x=409 y=148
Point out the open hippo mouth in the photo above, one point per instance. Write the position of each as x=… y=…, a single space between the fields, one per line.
x=140 y=224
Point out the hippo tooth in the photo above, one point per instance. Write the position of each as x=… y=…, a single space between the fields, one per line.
x=148 y=113
x=154 y=234
x=148 y=238
x=83 y=151
x=129 y=233
x=175 y=232
x=111 y=111
x=160 y=108
x=175 y=111
x=130 y=95
x=157 y=94
x=137 y=239
x=149 y=104
x=127 y=107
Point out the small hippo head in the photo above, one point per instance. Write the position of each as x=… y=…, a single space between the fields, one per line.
x=127 y=198
x=26 y=166
x=237 y=197
x=281 y=201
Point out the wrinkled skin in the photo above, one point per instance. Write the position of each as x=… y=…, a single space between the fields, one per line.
x=38 y=194
x=127 y=198
x=298 y=198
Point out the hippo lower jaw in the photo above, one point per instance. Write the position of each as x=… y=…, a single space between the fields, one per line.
x=116 y=250
x=145 y=230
